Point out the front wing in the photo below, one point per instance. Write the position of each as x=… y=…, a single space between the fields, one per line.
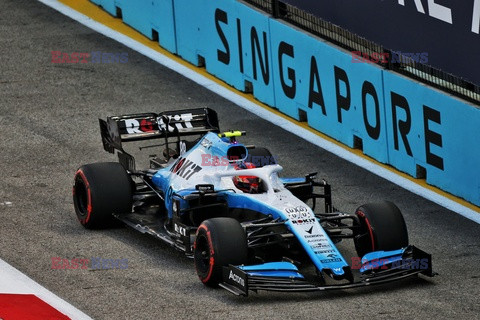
x=285 y=277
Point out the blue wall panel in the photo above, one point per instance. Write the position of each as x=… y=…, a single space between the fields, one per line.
x=443 y=136
x=148 y=15
x=137 y=14
x=107 y=5
x=257 y=52
x=318 y=70
x=190 y=28
x=164 y=23
x=202 y=37
x=221 y=53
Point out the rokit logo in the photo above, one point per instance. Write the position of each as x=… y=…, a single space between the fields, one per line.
x=139 y=126
x=181 y=121
x=162 y=123
x=304 y=221
x=185 y=168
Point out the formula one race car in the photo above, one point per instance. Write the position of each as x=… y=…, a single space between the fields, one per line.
x=224 y=204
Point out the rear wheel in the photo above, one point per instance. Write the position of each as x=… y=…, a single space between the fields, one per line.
x=99 y=190
x=382 y=228
x=219 y=242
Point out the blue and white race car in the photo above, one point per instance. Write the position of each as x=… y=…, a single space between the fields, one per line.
x=224 y=204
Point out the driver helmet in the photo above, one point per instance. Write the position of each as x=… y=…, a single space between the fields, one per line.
x=248 y=184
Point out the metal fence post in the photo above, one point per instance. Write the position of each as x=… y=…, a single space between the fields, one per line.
x=275 y=9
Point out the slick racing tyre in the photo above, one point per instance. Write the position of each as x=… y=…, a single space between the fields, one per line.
x=99 y=190
x=219 y=242
x=382 y=228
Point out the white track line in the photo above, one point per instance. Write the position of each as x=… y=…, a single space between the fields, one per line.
x=15 y=282
x=265 y=114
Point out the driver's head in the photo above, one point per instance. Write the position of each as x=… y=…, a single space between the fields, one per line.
x=249 y=184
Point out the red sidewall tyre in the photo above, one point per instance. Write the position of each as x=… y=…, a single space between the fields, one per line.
x=99 y=190
x=382 y=228
x=218 y=243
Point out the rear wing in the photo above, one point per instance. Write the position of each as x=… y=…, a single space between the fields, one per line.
x=143 y=126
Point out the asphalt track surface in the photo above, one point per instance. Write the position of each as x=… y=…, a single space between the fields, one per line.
x=49 y=127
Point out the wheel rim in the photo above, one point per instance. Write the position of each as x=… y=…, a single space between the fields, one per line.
x=365 y=240
x=81 y=197
x=202 y=256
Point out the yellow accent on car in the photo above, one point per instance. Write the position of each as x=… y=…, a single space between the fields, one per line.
x=230 y=134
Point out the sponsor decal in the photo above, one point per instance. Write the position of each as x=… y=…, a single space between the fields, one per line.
x=236 y=278
x=138 y=125
x=309 y=230
x=179 y=229
x=330 y=260
x=315 y=236
x=317 y=240
x=185 y=168
x=298 y=212
x=319 y=245
x=325 y=251
x=181 y=122
x=304 y=221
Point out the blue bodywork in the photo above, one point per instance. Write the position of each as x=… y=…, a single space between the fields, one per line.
x=208 y=162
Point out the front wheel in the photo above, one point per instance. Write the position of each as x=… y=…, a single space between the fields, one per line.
x=381 y=228
x=219 y=242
